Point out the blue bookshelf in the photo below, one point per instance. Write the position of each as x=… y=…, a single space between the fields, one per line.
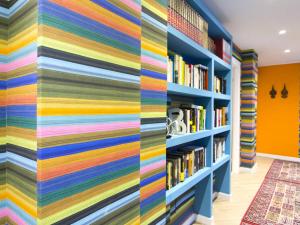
x=202 y=181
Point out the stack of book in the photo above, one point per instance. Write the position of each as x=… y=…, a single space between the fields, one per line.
x=220 y=116
x=223 y=50
x=180 y=72
x=219 y=85
x=187 y=20
x=219 y=148
x=183 y=163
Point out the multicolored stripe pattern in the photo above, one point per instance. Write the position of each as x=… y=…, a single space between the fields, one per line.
x=181 y=210
x=18 y=58
x=248 y=107
x=89 y=112
x=236 y=52
x=153 y=113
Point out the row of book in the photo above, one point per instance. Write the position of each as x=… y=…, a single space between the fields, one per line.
x=184 y=163
x=180 y=72
x=219 y=148
x=220 y=116
x=187 y=20
x=185 y=119
x=219 y=85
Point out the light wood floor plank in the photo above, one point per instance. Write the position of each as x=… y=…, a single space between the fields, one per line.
x=243 y=188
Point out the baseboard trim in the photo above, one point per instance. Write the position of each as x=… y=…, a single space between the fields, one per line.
x=191 y=220
x=205 y=220
x=223 y=196
x=248 y=170
x=287 y=158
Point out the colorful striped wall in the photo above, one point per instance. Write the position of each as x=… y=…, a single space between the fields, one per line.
x=18 y=70
x=83 y=107
x=89 y=112
x=153 y=111
x=248 y=107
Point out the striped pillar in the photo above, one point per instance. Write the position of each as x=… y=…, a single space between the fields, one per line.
x=18 y=56
x=83 y=107
x=153 y=113
x=248 y=107
x=89 y=112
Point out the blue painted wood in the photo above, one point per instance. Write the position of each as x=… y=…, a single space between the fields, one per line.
x=195 y=53
x=183 y=45
x=223 y=178
x=203 y=197
x=221 y=162
x=221 y=65
x=190 y=182
x=182 y=139
x=222 y=129
x=220 y=96
x=177 y=89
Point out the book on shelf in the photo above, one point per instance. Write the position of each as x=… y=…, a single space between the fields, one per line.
x=183 y=163
x=223 y=50
x=211 y=45
x=183 y=73
x=220 y=116
x=219 y=84
x=185 y=119
x=219 y=148
x=188 y=21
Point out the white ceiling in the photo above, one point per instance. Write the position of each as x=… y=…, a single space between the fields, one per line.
x=254 y=24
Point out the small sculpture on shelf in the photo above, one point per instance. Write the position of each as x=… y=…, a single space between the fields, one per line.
x=273 y=92
x=175 y=124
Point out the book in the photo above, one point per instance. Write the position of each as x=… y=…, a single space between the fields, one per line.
x=219 y=84
x=188 y=21
x=183 y=163
x=183 y=73
x=218 y=148
x=220 y=116
x=223 y=49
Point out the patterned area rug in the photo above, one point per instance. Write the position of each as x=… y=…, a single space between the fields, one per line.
x=277 y=202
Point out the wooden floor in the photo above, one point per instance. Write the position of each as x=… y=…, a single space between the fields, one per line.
x=243 y=188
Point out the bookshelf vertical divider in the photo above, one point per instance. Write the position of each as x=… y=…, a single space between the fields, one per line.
x=202 y=181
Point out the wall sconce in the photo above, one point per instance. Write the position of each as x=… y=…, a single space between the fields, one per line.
x=284 y=92
x=273 y=92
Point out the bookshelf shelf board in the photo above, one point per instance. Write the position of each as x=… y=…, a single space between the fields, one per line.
x=185 y=46
x=177 y=89
x=220 y=162
x=180 y=188
x=221 y=65
x=218 y=130
x=185 y=138
x=220 y=96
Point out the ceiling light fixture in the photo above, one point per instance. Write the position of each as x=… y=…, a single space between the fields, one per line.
x=281 y=32
x=287 y=51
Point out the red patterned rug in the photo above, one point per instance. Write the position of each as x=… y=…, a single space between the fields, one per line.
x=277 y=202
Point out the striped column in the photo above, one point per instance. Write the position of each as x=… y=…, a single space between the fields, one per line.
x=89 y=112
x=248 y=107
x=153 y=113
x=18 y=56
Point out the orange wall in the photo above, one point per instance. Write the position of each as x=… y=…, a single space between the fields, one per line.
x=277 y=119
